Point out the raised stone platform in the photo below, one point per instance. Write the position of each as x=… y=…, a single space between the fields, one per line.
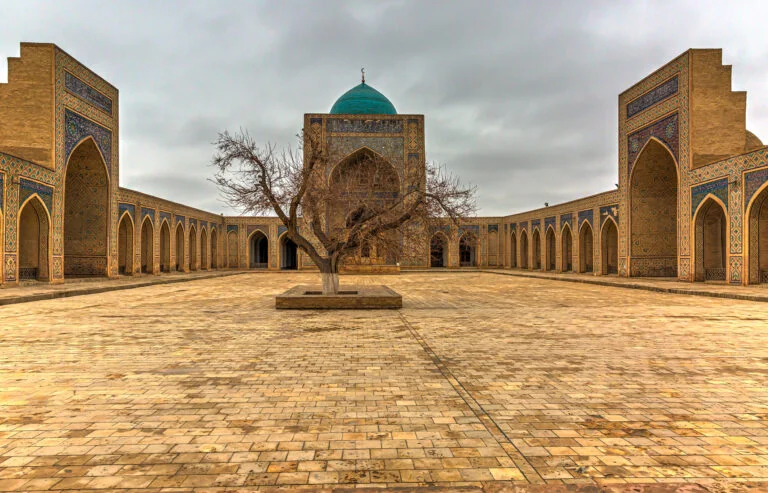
x=308 y=297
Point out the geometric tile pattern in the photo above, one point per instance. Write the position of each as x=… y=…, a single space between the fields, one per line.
x=493 y=227
x=566 y=219
x=718 y=188
x=611 y=211
x=664 y=130
x=123 y=207
x=586 y=216
x=87 y=93
x=79 y=127
x=752 y=183
x=550 y=221
x=28 y=188
x=146 y=211
x=660 y=93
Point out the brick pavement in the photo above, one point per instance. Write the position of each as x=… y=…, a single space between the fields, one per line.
x=481 y=379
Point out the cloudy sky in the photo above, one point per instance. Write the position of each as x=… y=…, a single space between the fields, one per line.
x=519 y=97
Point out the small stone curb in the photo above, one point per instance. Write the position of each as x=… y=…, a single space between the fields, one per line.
x=657 y=289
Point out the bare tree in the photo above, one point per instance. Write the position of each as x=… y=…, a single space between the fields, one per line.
x=336 y=211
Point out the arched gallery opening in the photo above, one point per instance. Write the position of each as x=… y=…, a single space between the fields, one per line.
x=86 y=212
x=757 y=218
x=467 y=250
x=192 y=248
x=524 y=249
x=653 y=213
x=438 y=251
x=258 y=246
x=586 y=250
x=214 y=249
x=232 y=251
x=513 y=250
x=566 y=240
x=711 y=233
x=179 y=248
x=203 y=250
x=125 y=245
x=536 y=240
x=147 y=247
x=551 y=249
x=34 y=231
x=289 y=254
x=609 y=248
x=165 y=247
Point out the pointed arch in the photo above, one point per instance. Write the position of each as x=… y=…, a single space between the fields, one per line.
x=653 y=209
x=513 y=249
x=233 y=250
x=258 y=250
x=179 y=240
x=288 y=253
x=524 y=249
x=192 y=247
x=203 y=249
x=214 y=248
x=125 y=229
x=756 y=237
x=536 y=243
x=147 y=246
x=34 y=240
x=609 y=247
x=492 y=251
x=566 y=248
x=354 y=156
x=710 y=230
x=550 y=249
x=586 y=247
x=165 y=246
x=86 y=192
x=438 y=250
x=468 y=250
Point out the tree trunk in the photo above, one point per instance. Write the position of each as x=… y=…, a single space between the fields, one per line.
x=330 y=282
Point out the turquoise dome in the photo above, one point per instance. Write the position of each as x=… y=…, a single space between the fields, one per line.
x=363 y=100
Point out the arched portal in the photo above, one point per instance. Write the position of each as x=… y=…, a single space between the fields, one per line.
x=34 y=233
x=86 y=212
x=536 y=239
x=493 y=248
x=125 y=245
x=214 y=249
x=147 y=247
x=609 y=248
x=180 y=248
x=710 y=240
x=551 y=253
x=586 y=250
x=232 y=250
x=468 y=250
x=757 y=234
x=165 y=247
x=289 y=254
x=258 y=246
x=653 y=213
x=192 y=248
x=566 y=249
x=524 y=249
x=438 y=250
x=203 y=250
x=513 y=250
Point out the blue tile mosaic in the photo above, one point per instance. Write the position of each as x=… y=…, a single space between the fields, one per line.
x=87 y=93
x=655 y=95
x=364 y=126
x=718 y=188
x=752 y=183
x=280 y=230
x=180 y=219
x=609 y=211
x=166 y=216
x=549 y=221
x=78 y=127
x=146 y=211
x=122 y=207
x=231 y=227
x=27 y=188
x=566 y=219
x=586 y=216
x=493 y=227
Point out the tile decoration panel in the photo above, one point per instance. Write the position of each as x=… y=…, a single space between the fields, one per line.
x=253 y=227
x=566 y=219
x=550 y=221
x=445 y=229
x=736 y=263
x=535 y=223
x=364 y=126
x=665 y=130
x=524 y=225
x=203 y=224
x=2 y=192
x=27 y=188
x=78 y=128
x=146 y=211
x=180 y=219
x=659 y=93
x=752 y=183
x=512 y=227
x=166 y=216
x=280 y=230
x=493 y=227
x=586 y=216
x=718 y=188
x=232 y=227
x=192 y=222
x=87 y=93
x=473 y=228
x=122 y=207
x=611 y=211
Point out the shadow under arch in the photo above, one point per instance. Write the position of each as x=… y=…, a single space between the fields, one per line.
x=653 y=210
x=566 y=248
x=179 y=240
x=288 y=253
x=710 y=229
x=125 y=244
x=147 y=246
x=586 y=247
x=34 y=240
x=468 y=249
x=438 y=250
x=258 y=250
x=524 y=249
x=551 y=248
x=609 y=247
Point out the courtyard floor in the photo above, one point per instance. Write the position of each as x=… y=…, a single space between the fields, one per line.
x=479 y=378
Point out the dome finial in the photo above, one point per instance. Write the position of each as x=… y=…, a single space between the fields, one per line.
x=362 y=71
